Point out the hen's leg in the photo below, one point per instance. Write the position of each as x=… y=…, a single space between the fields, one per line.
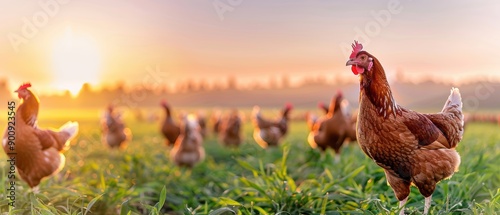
x=402 y=206
x=427 y=204
x=336 y=153
x=426 y=188
x=336 y=157
x=401 y=189
x=35 y=189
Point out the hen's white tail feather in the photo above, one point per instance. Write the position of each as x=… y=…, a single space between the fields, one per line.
x=256 y=111
x=455 y=99
x=311 y=118
x=344 y=105
x=71 y=128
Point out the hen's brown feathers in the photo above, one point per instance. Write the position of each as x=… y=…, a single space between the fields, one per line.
x=49 y=138
x=376 y=88
x=39 y=150
x=421 y=127
x=29 y=109
x=450 y=123
x=404 y=150
x=230 y=130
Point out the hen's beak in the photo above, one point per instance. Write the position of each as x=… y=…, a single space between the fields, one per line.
x=351 y=62
x=16 y=91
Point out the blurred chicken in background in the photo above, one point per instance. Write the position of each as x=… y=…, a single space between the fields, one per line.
x=114 y=132
x=188 y=148
x=202 y=121
x=330 y=130
x=270 y=133
x=215 y=119
x=169 y=128
x=230 y=129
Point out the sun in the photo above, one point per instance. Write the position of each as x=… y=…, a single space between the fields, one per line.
x=75 y=61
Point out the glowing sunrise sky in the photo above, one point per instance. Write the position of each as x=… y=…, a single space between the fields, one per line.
x=109 y=41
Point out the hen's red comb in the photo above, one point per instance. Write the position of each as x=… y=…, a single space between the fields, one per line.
x=24 y=86
x=339 y=92
x=356 y=47
x=288 y=106
x=164 y=102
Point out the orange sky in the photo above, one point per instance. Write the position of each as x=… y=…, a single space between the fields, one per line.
x=61 y=44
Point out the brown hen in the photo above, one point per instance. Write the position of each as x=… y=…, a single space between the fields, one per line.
x=269 y=133
x=37 y=152
x=330 y=131
x=349 y=116
x=188 y=148
x=413 y=148
x=115 y=133
x=230 y=130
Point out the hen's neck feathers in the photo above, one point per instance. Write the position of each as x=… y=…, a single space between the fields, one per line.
x=284 y=115
x=374 y=85
x=30 y=104
x=334 y=105
x=168 y=112
x=32 y=98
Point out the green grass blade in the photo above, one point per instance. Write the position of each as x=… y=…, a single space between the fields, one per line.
x=228 y=201
x=91 y=203
x=163 y=196
x=222 y=211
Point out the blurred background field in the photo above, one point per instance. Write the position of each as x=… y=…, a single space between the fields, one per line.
x=479 y=95
x=290 y=179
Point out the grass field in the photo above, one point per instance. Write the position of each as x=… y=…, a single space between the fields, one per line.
x=290 y=179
